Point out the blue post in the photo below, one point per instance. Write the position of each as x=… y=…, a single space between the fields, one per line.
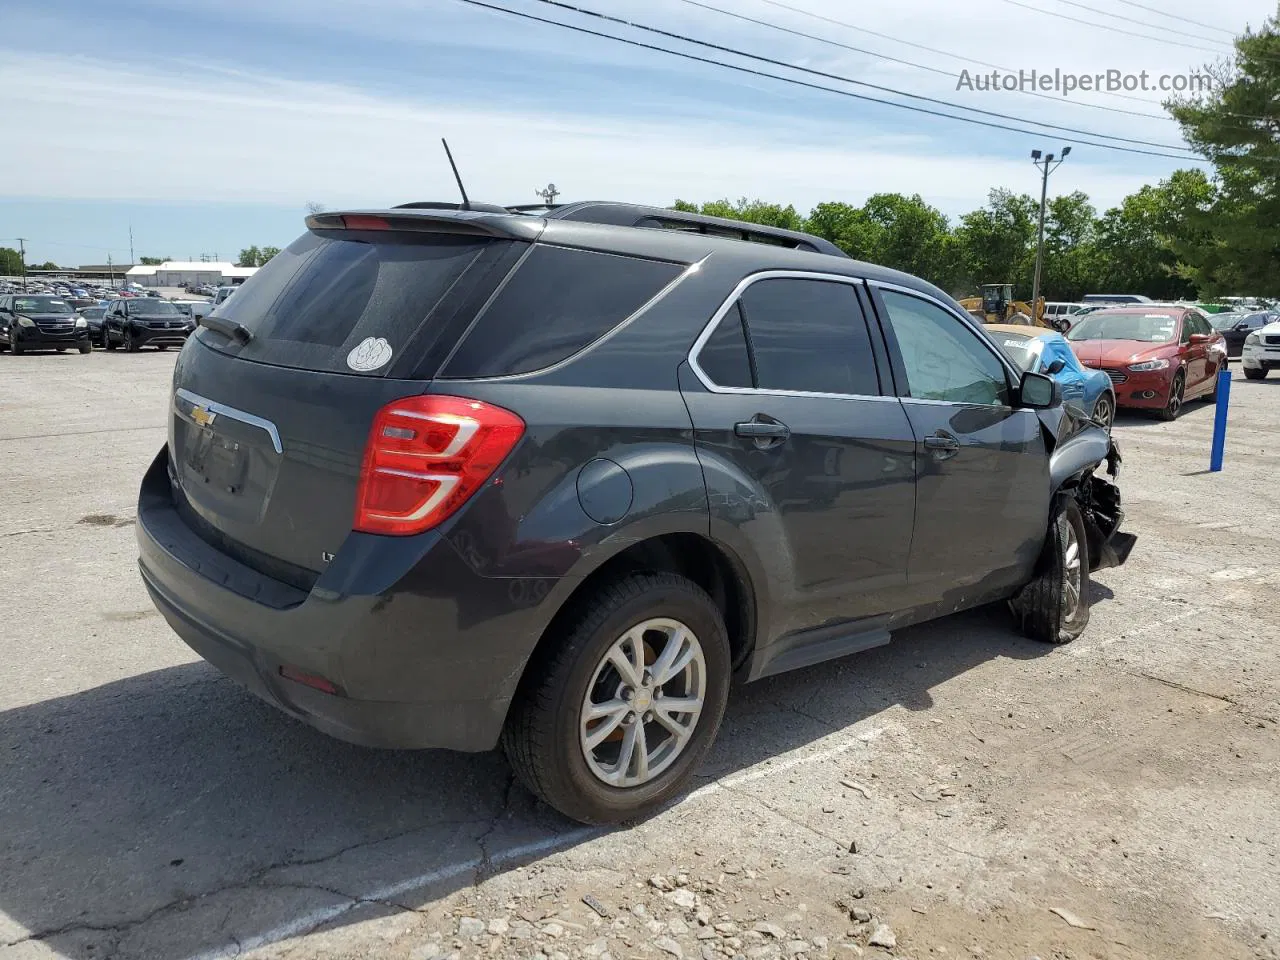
x=1220 y=420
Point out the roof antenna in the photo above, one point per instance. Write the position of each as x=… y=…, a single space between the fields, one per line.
x=466 y=204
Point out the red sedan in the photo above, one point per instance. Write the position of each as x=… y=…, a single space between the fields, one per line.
x=1157 y=357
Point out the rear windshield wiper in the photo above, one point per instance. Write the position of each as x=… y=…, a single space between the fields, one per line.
x=228 y=328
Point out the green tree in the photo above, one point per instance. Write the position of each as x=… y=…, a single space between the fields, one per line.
x=249 y=257
x=1140 y=244
x=153 y=261
x=1234 y=244
x=996 y=242
x=266 y=254
x=47 y=265
x=1070 y=255
x=752 y=211
x=10 y=262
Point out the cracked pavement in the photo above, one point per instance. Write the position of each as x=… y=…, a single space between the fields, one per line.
x=150 y=808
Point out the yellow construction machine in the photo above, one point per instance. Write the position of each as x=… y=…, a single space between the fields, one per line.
x=996 y=305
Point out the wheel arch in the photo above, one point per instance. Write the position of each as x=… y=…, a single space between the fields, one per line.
x=695 y=556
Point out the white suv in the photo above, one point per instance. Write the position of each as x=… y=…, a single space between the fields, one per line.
x=1261 y=351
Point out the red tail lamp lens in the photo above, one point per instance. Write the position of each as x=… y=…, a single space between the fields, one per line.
x=426 y=456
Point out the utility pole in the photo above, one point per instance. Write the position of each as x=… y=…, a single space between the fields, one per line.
x=1046 y=166
x=132 y=259
x=111 y=271
x=22 y=258
x=549 y=194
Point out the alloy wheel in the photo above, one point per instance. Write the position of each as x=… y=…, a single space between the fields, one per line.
x=1071 y=578
x=1175 y=396
x=643 y=703
x=1104 y=412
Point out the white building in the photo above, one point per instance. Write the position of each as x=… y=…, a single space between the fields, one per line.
x=179 y=273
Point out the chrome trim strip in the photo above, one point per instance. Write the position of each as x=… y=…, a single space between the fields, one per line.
x=213 y=406
x=724 y=308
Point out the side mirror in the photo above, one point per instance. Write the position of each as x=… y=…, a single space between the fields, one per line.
x=1056 y=366
x=1039 y=391
x=1242 y=326
x=1197 y=338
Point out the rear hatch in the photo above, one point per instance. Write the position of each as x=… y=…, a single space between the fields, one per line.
x=272 y=412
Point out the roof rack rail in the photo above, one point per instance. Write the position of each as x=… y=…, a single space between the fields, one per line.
x=438 y=205
x=526 y=207
x=638 y=215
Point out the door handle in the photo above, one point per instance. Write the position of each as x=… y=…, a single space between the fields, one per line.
x=762 y=429
x=943 y=445
x=765 y=432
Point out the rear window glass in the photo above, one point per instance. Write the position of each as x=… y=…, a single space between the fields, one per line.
x=559 y=301
x=325 y=303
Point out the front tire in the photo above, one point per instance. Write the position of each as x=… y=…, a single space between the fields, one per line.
x=14 y=346
x=1255 y=374
x=1104 y=411
x=1054 y=607
x=1176 y=390
x=86 y=348
x=595 y=729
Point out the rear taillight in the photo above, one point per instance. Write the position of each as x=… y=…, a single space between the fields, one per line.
x=425 y=458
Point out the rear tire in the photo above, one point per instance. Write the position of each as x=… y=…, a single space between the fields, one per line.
x=1255 y=374
x=1054 y=607
x=547 y=729
x=107 y=342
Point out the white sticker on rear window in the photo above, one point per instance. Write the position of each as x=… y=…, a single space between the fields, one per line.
x=369 y=354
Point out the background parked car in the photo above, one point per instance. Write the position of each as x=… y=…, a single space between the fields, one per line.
x=1156 y=356
x=93 y=317
x=1062 y=314
x=41 y=322
x=145 y=322
x=1262 y=352
x=1235 y=327
x=1044 y=351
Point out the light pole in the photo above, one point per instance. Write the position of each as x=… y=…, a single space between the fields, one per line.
x=1046 y=166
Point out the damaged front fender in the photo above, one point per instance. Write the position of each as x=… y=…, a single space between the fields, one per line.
x=1078 y=446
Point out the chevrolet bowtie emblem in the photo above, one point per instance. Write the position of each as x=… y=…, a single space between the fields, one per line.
x=202 y=415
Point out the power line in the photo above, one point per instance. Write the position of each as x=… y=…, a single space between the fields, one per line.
x=1110 y=29
x=1141 y=23
x=910 y=63
x=860 y=83
x=812 y=86
x=1174 y=16
x=920 y=46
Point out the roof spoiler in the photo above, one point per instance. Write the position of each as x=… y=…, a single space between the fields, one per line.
x=434 y=219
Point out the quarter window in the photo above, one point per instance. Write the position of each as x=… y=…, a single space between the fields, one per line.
x=724 y=357
x=809 y=336
x=944 y=359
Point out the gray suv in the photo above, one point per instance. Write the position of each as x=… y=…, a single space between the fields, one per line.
x=442 y=477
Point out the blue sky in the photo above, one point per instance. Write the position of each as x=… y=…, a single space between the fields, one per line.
x=208 y=126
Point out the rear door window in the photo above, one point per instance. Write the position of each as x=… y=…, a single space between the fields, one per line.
x=340 y=303
x=559 y=301
x=809 y=336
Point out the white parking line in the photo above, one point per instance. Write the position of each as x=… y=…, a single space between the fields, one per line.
x=309 y=921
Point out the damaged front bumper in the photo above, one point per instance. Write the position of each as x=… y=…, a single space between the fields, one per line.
x=1099 y=500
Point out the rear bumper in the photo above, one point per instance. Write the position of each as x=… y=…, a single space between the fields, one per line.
x=423 y=651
